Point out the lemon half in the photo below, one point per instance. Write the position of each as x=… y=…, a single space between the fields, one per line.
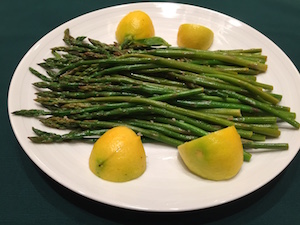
x=118 y=155
x=194 y=36
x=136 y=25
x=216 y=156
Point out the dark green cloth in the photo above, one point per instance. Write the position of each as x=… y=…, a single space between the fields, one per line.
x=28 y=196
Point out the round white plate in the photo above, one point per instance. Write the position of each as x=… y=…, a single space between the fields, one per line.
x=166 y=185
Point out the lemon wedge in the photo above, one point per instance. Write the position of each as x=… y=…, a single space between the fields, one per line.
x=194 y=36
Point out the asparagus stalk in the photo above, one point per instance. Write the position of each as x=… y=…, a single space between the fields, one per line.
x=163 y=89
x=203 y=69
x=46 y=137
x=210 y=55
x=264 y=107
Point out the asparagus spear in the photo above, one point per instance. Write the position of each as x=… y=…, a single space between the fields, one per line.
x=77 y=84
x=210 y=55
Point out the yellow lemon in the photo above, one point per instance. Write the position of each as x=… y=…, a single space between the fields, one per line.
x=216 y=156
x=136 y=24
x=194 y=36
x=118 y=155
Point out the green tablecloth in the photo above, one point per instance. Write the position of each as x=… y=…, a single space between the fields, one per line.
x=28 y=196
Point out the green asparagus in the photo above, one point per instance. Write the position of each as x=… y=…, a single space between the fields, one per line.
x=166 y=94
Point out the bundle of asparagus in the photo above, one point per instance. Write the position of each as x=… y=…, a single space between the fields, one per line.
x=167 y=94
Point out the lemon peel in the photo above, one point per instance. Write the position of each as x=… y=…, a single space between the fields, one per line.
x=135 y=25
x=194 y=36
x=216 y=156
x=118 y=155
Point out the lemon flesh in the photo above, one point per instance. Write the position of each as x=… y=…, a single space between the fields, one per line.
x=118 y=155
x=216 y=156
x=136 y=25
x=194 y=36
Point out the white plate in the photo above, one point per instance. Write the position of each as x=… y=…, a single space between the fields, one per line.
x=166 y=185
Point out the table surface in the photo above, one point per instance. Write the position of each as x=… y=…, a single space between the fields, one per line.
x=28 y=196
